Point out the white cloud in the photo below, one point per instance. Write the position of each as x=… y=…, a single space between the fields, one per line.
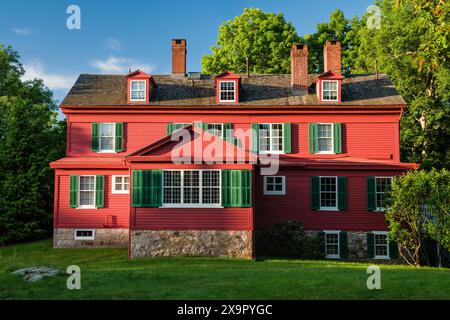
x=23 y=31
x=36 y=70
x=120 y=65
x=113 y=44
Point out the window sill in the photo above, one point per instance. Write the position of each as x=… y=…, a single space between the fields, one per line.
x=271 y=152
x=106 y=151
x=329 y=209
x=325 y=152
x=120 y=192
x=274 y=193
x=86 y=208
x=332 y=257
x=382 y=258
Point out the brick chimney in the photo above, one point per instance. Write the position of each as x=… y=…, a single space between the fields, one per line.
x=299 y=68
x=179 y=58
x=332 y=56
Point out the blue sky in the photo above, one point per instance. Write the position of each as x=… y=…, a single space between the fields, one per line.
x=115 y=35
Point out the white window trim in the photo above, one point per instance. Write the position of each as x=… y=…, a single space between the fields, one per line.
x=375 y=246
x=192 y=205
x=338 y=233
x=216 y=124
x=100 y=150
x=113 y=183
x=270 y=136
x=337 y=89
x=84 y=238
x=79 y=192
x=282 y=192
x=220 y=90
x=379 y=209
x=336 y=208
x=145 y=90
x=332 y=139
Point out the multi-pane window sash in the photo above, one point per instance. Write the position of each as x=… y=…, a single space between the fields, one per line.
x=325 y=138
x=227 y=91
x=271 y=138
x=329 y=90
x=274 y=185
x=138 y=90
x=121 y=184
x=107 y=137
x=382 y=185
x=215 y=129
x=381 y=245
x=191 y=188
x=332 y=244
x=328 y=193
x=87 y=192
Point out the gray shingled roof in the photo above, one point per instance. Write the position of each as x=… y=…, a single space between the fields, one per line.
x=264 y=90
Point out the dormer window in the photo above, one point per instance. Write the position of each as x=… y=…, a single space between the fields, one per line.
x=138 y=90
x=227 y=91
x=330 y=90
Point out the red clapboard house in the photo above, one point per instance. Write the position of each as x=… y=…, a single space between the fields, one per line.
x=178 y=164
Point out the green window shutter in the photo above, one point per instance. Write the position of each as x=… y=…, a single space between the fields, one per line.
x=315 y=193
x=337 y=137
x=227 y=132
x=343 y=245
x=393 y=250
x=147 y=186
x=313 y=133
x=99 y=191
x=371 y=195
x=73 y=194
x=137 y=188
x=287 y=136
x=95 y=136
x=151 y=188
x=321 y=236
x=255 y=138
x=204 y=126
x=236 y=188
x=237 y=142
x=342 y=193
x=119 y=137
x=370 y=245
x=226 y=188
x=170 y=128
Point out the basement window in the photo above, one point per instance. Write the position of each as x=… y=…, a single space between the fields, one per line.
x=329 y=90
x=332 y=244
x=138 y=90
x=84 y=234
x=381 y=245
x=227 y=91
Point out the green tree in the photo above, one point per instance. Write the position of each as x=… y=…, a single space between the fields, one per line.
x=30 y=138
x=265 y=39
x=337 y=28
x=412 y=48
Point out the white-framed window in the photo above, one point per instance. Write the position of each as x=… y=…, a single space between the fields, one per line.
x=330 y=90
x=325 y=138
x=120 y=184
x=178 y=126
x=328 y=193
x=332 y=245
x=382 y=185
x=138 y=90
x=227 y=91
x=191 y=188
x=381 y=244
x=215 y=129
x=275 y=185
x=271 y=139
x=84 y=234
x=86 y=192
x=107 y=137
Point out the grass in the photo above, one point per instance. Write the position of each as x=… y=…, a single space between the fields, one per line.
x=108 y=274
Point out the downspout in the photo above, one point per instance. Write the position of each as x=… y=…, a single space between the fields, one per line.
x=130 y=219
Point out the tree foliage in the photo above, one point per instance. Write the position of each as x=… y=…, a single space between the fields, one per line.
x=30 y=138
x=264 y=38
x=419 y=206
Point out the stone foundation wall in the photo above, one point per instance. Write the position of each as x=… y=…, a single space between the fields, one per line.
x=151 y=243
x=65 y=238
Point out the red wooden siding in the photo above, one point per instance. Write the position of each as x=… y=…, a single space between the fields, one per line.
x=296 y=204
x=193 y=219
x=116 y=210
x=358 y=129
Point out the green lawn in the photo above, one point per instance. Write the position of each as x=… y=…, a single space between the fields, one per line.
x=108 y=274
